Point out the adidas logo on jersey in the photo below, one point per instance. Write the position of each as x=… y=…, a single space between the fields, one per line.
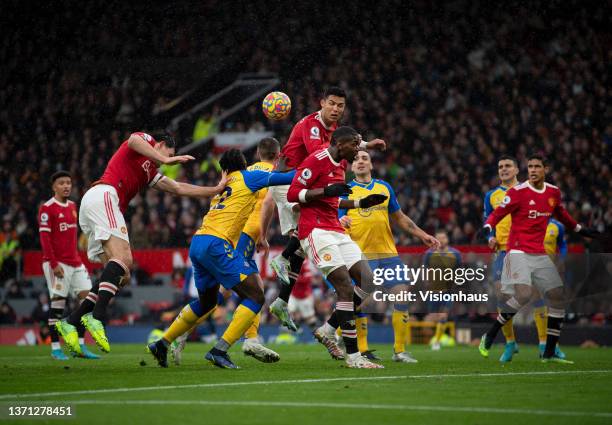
x=61 y=215
x=532 y=202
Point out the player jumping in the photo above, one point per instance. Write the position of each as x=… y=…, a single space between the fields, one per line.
x=216 y=262
x=317 y=186
x=132 y=168
x=62 y=266
x=311 y=133
x=250 y=239
x=371 y=230
x=531 y=204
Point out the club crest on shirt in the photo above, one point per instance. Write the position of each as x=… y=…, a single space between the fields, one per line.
x=327 y=257
x=552 y=202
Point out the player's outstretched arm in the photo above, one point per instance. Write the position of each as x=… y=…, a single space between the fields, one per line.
x=141 y=146
x=169 y=185
x=407 y=225
x=268 y=207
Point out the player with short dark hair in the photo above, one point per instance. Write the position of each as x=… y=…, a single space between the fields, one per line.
x=132 y=168
x=531 y=205
x=317 y=186
x=310 y=134
x=62 y=266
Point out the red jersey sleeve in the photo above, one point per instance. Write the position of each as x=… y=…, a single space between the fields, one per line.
x=147 y=137
x=45 y=226
x=305 y=176
x=561 y=214
x=509 y=204
x=312 y=137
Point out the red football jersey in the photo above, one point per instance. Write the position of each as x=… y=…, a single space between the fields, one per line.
x=531 y=209
x=317 y=171
x=309 y=135
x=58 y=232
x=303 y=285
x=129 y=172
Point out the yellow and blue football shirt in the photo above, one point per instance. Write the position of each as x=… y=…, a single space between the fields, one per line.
x=370 y=227
x=450 y=258
x=492 y=200
x=554 y=241
x=230 y=210
x=253 y=224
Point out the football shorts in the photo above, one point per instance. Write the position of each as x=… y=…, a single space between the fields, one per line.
x=287 y=217
x=215 y=261
x=100 y=218
x=498 y=265
x=246 y=246
x=75 y=280
x=303 y=306
x=529 y=269
x=330 y=250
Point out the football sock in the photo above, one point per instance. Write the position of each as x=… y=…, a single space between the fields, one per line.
x=333 y=322
x=243 y=318
x=109 y=284
x=253 y=330
x=346 y=316
x=295 y=266
x=189 y=317
x=508 y=331
x=506 y=313
x=362 y=332
x=292 y=246
x=55 y=315
x=555 y=320
x=399 y=321
x=539 y=316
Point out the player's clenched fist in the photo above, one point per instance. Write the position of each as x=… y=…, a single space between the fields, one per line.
x=337 y=189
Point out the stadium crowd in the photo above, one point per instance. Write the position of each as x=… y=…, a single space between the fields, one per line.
x=450 y=87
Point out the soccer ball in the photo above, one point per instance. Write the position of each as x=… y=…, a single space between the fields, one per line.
x=276 y=106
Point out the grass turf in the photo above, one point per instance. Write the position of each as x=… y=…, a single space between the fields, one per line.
x=454 y=385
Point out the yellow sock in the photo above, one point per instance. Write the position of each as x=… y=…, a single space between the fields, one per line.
x=185 y=321
x=541 y=321
x=253 y=330
x=399 y=319
x=440 y=327
x=242 y=320
x=508 y=331
x=362 y=334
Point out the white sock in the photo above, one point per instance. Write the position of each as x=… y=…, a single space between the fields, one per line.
x=55 y=346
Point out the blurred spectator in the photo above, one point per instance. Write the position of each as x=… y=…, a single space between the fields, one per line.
x=14 y=291
x=7 y=314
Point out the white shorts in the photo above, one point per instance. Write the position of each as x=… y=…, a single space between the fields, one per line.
x=330 y=250
x=529 y=269
x=75 y=280
x=303 y=306
x=287 y=217
x=100 y=218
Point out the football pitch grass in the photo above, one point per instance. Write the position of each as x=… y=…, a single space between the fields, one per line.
x=453 y=386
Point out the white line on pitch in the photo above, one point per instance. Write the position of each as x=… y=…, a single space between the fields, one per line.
x=295 y=381
x=267 y=403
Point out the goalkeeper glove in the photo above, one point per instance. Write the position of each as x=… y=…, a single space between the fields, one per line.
x=337 y=189
x=371 y=200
